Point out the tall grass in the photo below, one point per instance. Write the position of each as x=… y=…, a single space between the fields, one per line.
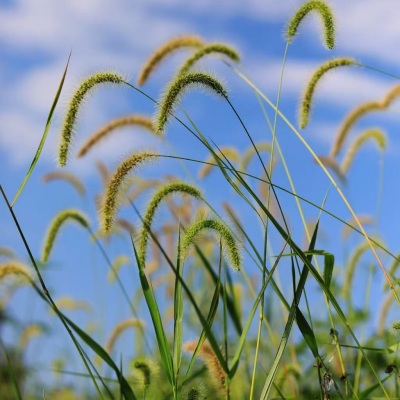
x=224 y=307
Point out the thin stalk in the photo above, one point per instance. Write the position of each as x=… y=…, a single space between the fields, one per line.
x=294 y=130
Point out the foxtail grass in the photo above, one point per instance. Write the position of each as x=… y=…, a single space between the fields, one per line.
x=67 y=177
x=55 y=226
x=69 y=125
x=132 y=120
x=168 y=48
x=112 y=197
x=324 y=11
x=305 y=107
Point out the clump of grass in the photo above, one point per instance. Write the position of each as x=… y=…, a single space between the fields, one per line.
x=111 y=198
x=213 y=48
x=67 y=177
x=231 y=248
x=168 y=48
x=306 y=103
x=178 y=87
x=158 y=197
x=132 y=120
x=54 y=228
x=326 y=15
x=121 y=328
x=74 y=106
x=375 y=134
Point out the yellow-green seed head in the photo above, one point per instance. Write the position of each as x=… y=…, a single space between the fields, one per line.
x=213 y=48
x=305 y=106
x=131 y=120
x=161 y=194
x=168 y=48
x=111 y=200
x=58 y=221
x=178 y=87
x=79 y=96
x=231 y=248
x=326 y=14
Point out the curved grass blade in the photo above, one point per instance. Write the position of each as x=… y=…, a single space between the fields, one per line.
x=307 y=332
x=44 y=137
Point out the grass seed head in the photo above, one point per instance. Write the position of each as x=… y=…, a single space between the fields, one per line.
x=168 y=48
x=112 y=200
x=306 y=103
x=55 y=226
x=326 y=15
x=178 y=87
x=213 y=48
x=74 y=105
x=161 y=194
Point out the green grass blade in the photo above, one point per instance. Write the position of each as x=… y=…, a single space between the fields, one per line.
x=157 y=322
x=329 y=262
x=44 y=137
x=11 y=370
x=307 y=332
x=178 y=314
x=236 y=357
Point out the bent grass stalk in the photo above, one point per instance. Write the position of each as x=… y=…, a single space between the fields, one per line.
x=228 y=151
x=75 y=104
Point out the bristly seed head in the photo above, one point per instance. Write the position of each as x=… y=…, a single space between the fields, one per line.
x=166 y=49
x=74 y=105
x=176 y=89
x=325 y=12
x=231 y=248
x=213 y=48
x=318 y=74
x=158 y=197
x=111 y=199
x=55 y=226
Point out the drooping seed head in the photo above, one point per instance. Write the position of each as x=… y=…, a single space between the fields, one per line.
x=54 y=228
x=194 y=389
x=71 y=304
x=132 y=120
x=120 y=328
x=251 y=151
x=227 y=151
x=15 y=268
x=67 y=177
x=116 y=266
x=111 y=200
x=161 y=194
x=74 y=105
x=166 y=49
x=231 y=248
x=305 y=106
x=395 y=329
x=178 y=87
x=375 y=134
x=326 y=15
x=213 y=48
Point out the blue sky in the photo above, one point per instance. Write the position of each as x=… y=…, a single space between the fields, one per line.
x=36 y=37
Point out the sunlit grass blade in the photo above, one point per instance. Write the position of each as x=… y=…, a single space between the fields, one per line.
x=44 y=137
x=292 y=314
x=157 y=322
x=236 y=357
